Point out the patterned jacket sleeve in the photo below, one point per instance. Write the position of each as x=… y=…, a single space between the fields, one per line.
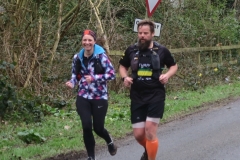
x=109 y=70
x=74 y=76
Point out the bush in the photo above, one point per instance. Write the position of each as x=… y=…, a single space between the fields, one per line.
x=7 y=91
x=24 y=105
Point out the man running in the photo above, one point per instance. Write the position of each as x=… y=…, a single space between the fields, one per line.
x=147 y=60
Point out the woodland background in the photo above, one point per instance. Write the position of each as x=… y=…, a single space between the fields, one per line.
x=39 y=37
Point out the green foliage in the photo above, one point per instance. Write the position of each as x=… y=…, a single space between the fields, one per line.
x=25 y=106
x=29 y=136
x=118 y=115
x=119 y=108
x=11 y=106
x=55 y=111
x=230 y=29
x=200 y=22
x=7 y=91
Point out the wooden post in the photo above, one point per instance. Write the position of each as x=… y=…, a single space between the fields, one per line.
x=211 y=59
x=220 y=56
x=238 y=50
x=146 y=14
x=238 y=60
x=199 y=56
x=230 y=52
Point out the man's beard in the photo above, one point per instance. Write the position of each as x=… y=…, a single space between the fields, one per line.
x=144 y=45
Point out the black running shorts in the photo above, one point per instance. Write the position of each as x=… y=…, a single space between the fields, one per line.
x=139 y=112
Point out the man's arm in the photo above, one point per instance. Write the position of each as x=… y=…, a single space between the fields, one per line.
x=123 y=71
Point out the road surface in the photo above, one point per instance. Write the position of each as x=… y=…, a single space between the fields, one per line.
x=213 y=134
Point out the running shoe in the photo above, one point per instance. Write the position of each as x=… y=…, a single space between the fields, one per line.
x=90 y=158
x=112 y=148
x=144 y=156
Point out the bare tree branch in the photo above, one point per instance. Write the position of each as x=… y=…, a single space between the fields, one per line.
x=58 y=31
x=35 y=54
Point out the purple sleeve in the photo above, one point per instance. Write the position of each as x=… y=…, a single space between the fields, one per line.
x=74 y=76
x=109 y=70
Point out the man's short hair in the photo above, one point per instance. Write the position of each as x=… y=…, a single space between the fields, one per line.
x=144 y=22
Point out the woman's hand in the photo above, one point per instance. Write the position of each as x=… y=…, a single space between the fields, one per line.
x=89 y=78
x=69 y=84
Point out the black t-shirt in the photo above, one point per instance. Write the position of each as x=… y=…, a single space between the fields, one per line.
x=146 y=89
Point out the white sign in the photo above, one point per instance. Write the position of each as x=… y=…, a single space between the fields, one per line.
x=156 y=31
x=2 y=10
x=152 y=6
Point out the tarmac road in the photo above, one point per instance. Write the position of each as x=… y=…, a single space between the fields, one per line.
x=213 y=134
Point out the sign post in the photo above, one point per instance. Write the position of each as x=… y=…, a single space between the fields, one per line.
x=152 y=6
x=156 y=30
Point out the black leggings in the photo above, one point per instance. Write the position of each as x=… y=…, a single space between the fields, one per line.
x=92 y=113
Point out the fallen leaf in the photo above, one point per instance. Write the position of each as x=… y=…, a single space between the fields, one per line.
x=67 y=127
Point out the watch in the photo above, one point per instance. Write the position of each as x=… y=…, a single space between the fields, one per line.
x=123 y=78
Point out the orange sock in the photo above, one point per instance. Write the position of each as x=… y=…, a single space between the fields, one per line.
x=152 y=148
x=143 y=142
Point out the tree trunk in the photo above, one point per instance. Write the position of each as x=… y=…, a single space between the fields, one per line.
x=236 y=6
x=100 y=30
x=58 y=32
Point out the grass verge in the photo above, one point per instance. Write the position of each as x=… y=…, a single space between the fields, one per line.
x=62 y=132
